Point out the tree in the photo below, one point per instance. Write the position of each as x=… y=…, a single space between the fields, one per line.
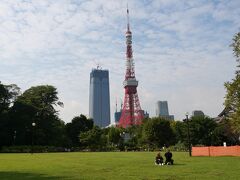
x=232 y=98
x=236 y=49
x=158 y=133
x=93 y=139
x=8 y=95
x=180 y=130
x=114 y=136
x=201 y=130
x=233 y=101
x=6 y=137
x=43 y=98
x=223 y=133
x=137 y=140
x=76 y=126
x=37 y=104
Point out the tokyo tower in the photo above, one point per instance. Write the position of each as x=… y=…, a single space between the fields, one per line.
x=132 y=114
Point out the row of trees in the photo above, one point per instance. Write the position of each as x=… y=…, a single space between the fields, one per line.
x=37 y=105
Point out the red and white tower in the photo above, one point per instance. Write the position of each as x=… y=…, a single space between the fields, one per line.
x=131 y=112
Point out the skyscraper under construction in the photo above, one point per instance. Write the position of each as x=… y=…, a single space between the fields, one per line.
x=99 y=97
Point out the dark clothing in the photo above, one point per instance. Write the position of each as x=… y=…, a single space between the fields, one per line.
x=159 y=159
x=169 y=159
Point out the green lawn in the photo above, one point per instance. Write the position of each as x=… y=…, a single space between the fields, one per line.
x=115 y=165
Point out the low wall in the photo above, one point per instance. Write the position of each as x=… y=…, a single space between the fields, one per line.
x=216 y=151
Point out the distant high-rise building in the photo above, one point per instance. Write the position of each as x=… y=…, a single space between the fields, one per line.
x=146 y=114
x=197 y=113
x=99 y=97
x=117 y=116
x=162 y=110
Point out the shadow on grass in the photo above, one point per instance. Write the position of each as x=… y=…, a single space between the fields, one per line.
x=175 y=164
x=19 y=175
x=179 y=164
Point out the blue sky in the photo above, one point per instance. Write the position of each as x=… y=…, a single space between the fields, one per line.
x=180 y=47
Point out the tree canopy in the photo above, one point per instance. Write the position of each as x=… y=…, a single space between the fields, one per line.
x=158 y=132
x=76 y=126
x=232 y=98
x=8 y=94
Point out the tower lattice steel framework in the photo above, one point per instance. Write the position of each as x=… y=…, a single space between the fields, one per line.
x=132 y=114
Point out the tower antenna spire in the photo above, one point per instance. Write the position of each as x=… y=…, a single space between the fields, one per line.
x=128 y=25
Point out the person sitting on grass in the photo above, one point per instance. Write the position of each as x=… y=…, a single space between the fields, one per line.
x=168 y=156
x=159 y=160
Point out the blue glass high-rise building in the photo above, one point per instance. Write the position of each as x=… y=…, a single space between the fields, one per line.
x=99 y=97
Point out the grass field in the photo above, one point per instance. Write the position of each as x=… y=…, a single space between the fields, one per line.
x=115 y=165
